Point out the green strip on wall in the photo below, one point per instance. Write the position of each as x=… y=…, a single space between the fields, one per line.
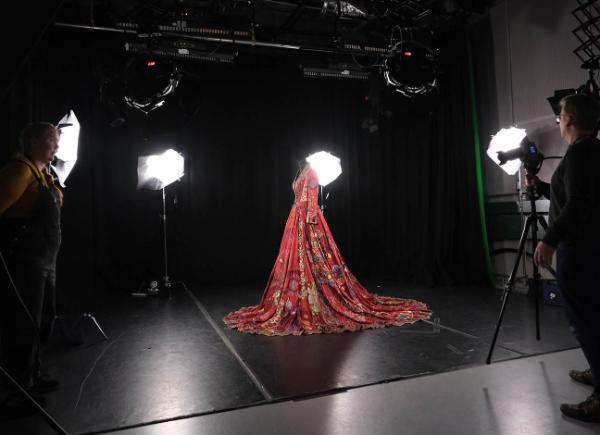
x=478 y=168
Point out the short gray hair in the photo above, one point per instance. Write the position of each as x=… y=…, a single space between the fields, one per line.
x=583 y=109
x=32 y=132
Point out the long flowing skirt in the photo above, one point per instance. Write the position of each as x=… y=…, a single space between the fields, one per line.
x=311 y=290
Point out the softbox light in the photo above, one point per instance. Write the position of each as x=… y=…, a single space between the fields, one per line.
x=155 y=172
x=68 y=143
x=326 y=165
x=505 y=140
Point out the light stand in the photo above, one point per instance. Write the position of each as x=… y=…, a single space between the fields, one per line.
x=530 y=224
x=166 y=283
x=166 y=279
x=323 y=198
x=156 y=172
x=65 y=160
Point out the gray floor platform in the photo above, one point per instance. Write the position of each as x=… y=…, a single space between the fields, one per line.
x=172 y=359
x=520 y=396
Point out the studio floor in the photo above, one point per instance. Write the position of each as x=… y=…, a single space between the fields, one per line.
x=171 y=366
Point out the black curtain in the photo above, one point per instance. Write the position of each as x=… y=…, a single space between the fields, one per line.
x=405 y=206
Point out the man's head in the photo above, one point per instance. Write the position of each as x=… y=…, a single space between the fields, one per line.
x=579 y=116
x=39 y=142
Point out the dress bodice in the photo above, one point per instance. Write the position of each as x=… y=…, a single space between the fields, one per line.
x=306 y=186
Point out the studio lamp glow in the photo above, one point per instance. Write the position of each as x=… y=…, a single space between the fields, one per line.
x=326 y=165
x=158 y=171
x=505 y=140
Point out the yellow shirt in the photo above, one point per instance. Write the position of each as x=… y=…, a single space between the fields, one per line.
x=19 y=187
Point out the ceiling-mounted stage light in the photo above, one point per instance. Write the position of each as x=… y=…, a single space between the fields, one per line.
x=148 y=81
x=411 y=69
x=346 y=9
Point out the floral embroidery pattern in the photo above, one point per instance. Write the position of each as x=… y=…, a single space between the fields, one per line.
x=311 y=290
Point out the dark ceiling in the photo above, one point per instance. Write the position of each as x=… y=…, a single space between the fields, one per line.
x=309 y=25
x=395 y=40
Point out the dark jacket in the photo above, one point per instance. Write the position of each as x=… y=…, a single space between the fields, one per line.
x=575 y=196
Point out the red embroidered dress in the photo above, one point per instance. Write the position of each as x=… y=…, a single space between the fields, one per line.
x=310 y=289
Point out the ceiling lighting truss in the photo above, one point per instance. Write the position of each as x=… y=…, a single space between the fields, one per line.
x=181 y=50
x=339 y=72
x=588 y=32
x=184 y=27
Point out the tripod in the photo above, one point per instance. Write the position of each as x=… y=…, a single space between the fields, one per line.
x=11 y=381
x=531 y=223
x=69 y=330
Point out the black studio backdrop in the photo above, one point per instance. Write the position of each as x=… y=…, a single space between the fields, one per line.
x=404 y=208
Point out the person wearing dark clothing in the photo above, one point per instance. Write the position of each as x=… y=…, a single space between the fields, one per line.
x=574 y=234
x=30 y=238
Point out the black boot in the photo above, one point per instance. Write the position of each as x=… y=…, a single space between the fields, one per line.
x=16 y=406
x=582 y=376
x=588 y=410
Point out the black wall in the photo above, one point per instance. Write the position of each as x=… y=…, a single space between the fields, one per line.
x=404 y=208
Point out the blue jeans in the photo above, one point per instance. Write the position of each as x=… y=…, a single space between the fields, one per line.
x=578 y=275
x=21 y=338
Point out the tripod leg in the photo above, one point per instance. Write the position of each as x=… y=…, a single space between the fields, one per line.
x=536 y=289
x=169 y=285
x=545 y=227
x=508 y=286
x=93 y=319
x=542 y=222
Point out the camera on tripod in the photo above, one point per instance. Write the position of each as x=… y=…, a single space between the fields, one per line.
x=506 y=146
x=527 y=152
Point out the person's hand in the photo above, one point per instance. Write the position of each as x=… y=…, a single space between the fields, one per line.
x=532 y=180
x=543 y=255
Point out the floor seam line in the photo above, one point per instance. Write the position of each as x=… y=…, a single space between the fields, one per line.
x=257 y=383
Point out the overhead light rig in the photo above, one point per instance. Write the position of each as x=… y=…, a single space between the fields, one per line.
x=181 y=50
x=356 y=49
x=185 y=28
x=338 y=72
x=409 y=66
